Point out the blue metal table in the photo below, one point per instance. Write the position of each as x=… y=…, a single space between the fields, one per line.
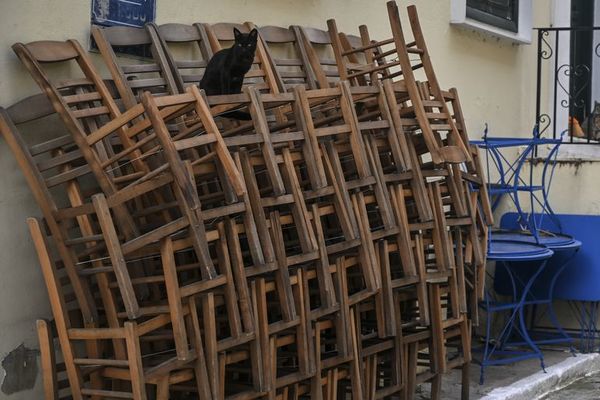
x=512 y=256
x=541 y=294
x=510 y=181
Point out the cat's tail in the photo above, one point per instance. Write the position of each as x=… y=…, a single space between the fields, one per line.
x=236 y=114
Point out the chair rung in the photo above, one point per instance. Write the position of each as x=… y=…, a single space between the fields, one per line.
x=107 y=393
x=379 y=68
x=369 y=46
x=78 y=98
x=385 y=54
x=84 y=239
x=100 y=361
x=415 y=50
x=90 y=112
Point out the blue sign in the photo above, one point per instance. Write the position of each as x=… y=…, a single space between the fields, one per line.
x=123 y=12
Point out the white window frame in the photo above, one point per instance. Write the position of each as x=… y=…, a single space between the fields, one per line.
x=458 y=17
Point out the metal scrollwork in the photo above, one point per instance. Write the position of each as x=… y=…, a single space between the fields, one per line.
x=571 y=72
x=545 y=49
x=597 y=50
x=543 y=123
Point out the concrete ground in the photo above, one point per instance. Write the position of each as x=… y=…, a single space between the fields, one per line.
x=521 y=381
x=587 y=388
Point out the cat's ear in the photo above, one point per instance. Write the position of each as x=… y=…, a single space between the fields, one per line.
x=236 y=33
x=253 y=34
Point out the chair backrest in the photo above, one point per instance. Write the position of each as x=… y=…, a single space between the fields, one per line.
x=84 y=104
x=319 y=50
x=261 y=74
x=80 y=360
x=57 y=175
x=133 y=78
x=288 y=57
x=187 y=50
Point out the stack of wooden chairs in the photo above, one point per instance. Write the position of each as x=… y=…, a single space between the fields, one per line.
x=330 y=247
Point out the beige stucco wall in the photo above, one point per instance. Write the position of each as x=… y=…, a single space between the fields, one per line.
x=495 y=79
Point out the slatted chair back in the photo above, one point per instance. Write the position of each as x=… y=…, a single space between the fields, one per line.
x=54 y=373
x=288 y=57
x=363 y=60
x=137 y=161
x=84 y=104
x=56 y=173
x=395 y=57
x=261 y=74
x=96 y=260
x=148 y=71
x=126 y=353
x=455 y=149
x=75 y=362
x=187 y=50
x=62 y=185
x=319 y=50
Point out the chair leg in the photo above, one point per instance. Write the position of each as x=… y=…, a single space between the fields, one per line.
x=436 y=387
x=466 y=380
x=162 y=389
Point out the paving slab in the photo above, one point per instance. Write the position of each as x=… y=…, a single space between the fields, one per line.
x=520 y=381
x=587 y=388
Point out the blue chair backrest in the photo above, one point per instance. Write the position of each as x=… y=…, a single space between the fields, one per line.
x=581 y=278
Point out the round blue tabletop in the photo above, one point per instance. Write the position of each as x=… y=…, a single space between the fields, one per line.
x=513 y=250
x=554 y=241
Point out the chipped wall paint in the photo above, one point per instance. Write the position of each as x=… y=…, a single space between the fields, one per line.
x=20 y=369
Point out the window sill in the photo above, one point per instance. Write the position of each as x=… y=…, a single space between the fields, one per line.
x=515 y=37
x=458 y=17
x=573 y=152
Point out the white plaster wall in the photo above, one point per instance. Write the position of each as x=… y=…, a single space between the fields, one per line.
x=495 y=78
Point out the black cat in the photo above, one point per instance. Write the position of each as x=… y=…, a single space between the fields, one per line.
x=226 y=69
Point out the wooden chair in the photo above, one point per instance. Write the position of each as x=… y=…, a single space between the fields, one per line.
x=132 y=79
x=317 y=47
x=288 y=57
x=261 y=74
x=187 y=50
x=48 y=356
x=137 y=160
x=438 y=129
x=131 y=369
x=46 y=167
x=89 y=249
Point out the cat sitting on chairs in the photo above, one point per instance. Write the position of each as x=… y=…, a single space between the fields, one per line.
x=226 y=69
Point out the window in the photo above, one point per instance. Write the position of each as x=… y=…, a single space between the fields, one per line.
x=501 y=13
x=508 y=19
